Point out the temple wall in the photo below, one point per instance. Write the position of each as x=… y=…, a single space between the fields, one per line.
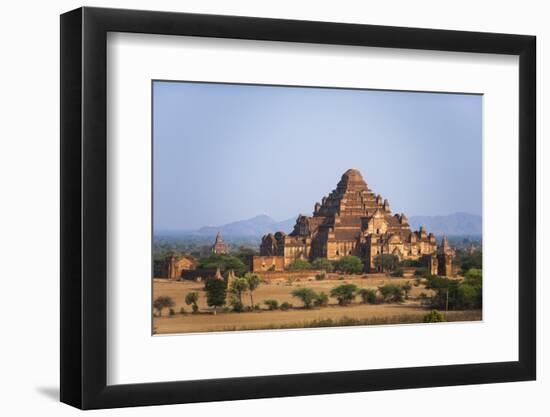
x=284 y=275
x=265 y=263
x=175 y=267
x=445 y=265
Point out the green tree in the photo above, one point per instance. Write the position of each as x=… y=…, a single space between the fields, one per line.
x=473 y=276
x=397 y=272
x=323 y=263
x=446 y=292
x=468 y=296
x=321 y=299
x=299 y=265
x=238 y=287
x=253 y=281
x=344 y=293
x=163 y=302
x=407 y=263
x=306 y=295
x=368 y=296
x=271 y=304
x=224 y=262
x=386 y=262
x=216 y=293
x=350 y=264
x=391 y=293
x=191 y=300
x=245 y=255
x=434 y=316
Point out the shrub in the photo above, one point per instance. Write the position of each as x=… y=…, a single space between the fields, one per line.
x=182 y=310
x=344 y=293
x=323 y=263
x=321 y=300
x=368 y=296
x=286 y=306
x=237 y=305
x=271 y=304
x=397 y=272
x=162 y=302
x=171 y=312
x=299 y=265
x=433 y=316
x=320 y=277
x=306 y=295
x=350 y=264
x=391 y=293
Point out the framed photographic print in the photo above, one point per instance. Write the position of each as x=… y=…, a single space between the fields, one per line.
x=352 y=207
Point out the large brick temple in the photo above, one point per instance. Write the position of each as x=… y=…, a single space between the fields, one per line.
x=353 y=220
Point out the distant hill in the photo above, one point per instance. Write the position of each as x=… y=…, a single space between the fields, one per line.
x=255 y=226
x=452 y=224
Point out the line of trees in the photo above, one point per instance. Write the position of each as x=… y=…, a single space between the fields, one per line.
x=347 y=264
x=448 y=294
x=345 y=294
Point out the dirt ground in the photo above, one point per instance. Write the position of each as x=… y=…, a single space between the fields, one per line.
x=205 y=321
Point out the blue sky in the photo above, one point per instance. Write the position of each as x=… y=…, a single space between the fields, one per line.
x=226 y=152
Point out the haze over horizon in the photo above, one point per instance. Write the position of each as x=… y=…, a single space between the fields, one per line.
x=225 y=153
x=265 y=215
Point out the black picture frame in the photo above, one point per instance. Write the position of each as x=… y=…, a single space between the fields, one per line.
x=84 y=207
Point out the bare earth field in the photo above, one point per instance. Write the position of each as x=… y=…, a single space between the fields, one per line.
x=408 y=312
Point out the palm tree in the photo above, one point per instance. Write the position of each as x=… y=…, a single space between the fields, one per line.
x=238 y=287
x=254 y=282
x=191 y=299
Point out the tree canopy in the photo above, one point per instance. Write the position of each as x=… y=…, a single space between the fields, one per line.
x=323 y=263
x=306 y=295
x=344 y=293
x=224 y=262
x=216 y=292
x=350 y=264
x=163 y=302
x=299 y=265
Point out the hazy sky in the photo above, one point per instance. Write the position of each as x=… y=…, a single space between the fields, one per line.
x=230 y=152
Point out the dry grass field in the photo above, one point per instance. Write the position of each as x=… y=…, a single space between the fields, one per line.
x=407 y=312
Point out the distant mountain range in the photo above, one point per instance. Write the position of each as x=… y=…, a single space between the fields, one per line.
x=450 y=225
x=256 y=226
